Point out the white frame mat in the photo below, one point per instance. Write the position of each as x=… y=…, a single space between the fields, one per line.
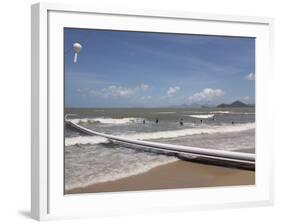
x=48 y=199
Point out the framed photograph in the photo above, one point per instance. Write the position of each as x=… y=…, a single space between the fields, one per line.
x=148 y=111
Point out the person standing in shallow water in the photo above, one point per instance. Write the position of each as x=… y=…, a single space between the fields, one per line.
x=156 y=121
x=143 y=121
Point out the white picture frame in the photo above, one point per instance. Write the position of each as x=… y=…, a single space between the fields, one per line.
x=48 y=200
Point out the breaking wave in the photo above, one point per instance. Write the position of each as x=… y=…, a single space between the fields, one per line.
x=84 y=140
x=203 y=116
x=220 y=112
x=204 y=129
x=117 y=121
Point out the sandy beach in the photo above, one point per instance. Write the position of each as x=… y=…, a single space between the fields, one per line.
x=179 y=174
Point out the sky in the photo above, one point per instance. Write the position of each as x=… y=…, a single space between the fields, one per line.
x=141 y=69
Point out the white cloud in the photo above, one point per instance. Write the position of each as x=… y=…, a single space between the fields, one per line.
x=143 y=86
x=84 y=91
x=250 y=76
x=146 y=97
x=206 y=95
x=246 y=99
x=173 y=90
x=119 y=91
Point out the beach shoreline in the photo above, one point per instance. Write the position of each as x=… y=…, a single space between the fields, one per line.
x=178 y=174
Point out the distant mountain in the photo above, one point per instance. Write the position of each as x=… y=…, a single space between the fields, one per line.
x=235 y=104
x=205 y=106
x=196 y=106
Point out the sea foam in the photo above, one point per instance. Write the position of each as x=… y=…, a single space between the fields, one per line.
x=220 y=112
x=203 y=129
x=97 y=166
x=203 y=116
x=114 y=121
x=83 y=140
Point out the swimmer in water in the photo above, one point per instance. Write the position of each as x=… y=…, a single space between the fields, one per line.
x=181 y=122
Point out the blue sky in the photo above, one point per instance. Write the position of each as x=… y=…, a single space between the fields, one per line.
x=137 y=69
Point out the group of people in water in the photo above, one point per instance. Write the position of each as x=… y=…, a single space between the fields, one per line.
x=181 y=121
x=157 y=121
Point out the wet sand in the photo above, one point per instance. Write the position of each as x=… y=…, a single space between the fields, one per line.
x=179 y=174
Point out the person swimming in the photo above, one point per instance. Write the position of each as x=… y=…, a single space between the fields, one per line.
x=181 y=122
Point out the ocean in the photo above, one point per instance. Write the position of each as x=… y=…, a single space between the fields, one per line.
x=92 y=159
